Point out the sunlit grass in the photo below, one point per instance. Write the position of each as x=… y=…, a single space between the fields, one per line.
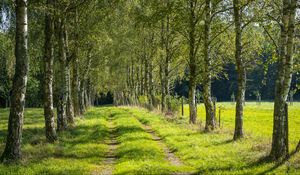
x=258 y=119
x=138 y=153
x=80 y=150
x=216 y=153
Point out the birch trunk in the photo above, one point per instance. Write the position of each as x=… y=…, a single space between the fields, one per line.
x=285 y=67
x=69 y=104
x=75 y=77
x=62 y=100
x=48 y=75
x=209 y=106
x=12 y=151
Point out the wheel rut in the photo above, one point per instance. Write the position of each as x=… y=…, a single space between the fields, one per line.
x=110 y=156
x=171 y=157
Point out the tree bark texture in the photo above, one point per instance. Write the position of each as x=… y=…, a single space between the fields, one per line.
x=12 y=151
x=48 y=75
x=192 y=64
x=241 y=71
x=75 y=76
x=69 y=102
x=62 y=100
x=282 y=86
x=209 y=106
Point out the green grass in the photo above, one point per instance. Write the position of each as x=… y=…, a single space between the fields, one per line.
x=138 y=153
x=82 y=149
x=216 y=153
x=258 y=119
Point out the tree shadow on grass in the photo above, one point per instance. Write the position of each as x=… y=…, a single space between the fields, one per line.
x=60 y=172
x=138 y=153
x=224 y=142
x=128 y=129
x=260 y=162
x=230 y=168
x=81 y=134
x=114 y=114
x=86 y=134
x=280 y=163
x=132 y=139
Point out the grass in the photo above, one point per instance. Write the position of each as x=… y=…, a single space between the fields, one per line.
x=258 y=119
x=216 y=153
x=138 y=153
x=82 y=149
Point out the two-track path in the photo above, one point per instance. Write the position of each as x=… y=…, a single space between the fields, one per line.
x=110 y=157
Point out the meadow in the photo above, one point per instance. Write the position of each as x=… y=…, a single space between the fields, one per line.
x=258 y=119
x=145 y=140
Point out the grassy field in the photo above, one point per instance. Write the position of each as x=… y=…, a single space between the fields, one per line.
x=216 y=153
x=258 y=119
x=83 y=149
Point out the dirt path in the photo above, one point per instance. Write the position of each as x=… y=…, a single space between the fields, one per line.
x=172 y=158
x=110 y=157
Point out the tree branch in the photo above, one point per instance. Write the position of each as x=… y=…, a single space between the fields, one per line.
x=270 y=36
x=218 y=34
x=220 y=11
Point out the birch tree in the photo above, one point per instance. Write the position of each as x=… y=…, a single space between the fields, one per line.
x=12 y=151
x=285 y=67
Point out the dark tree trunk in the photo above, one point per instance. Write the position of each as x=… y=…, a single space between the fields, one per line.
x=161 y=72
x=84 y=85
x=146 y=73
x=285 y=67
x=142 y=90
x=12 y=151
x=151 y=85
x=75 y=85
x=138 y=81
x=62 y=101
x=209 y=106
x=75 y=66
x=241 y=71
x=167 y=63
x=48 y=75
x=69 y=104
x=132 y=83
x=192 y=64
x=163 y=95
x=88 y=91
x=81 y=98
x=85 y=94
